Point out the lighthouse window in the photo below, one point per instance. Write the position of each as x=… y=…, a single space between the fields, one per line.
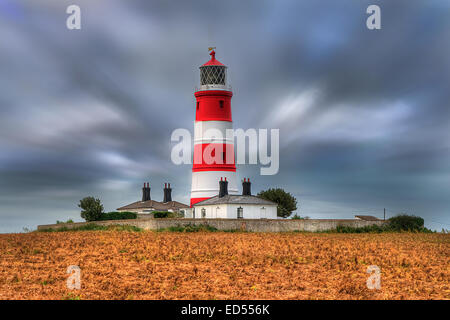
x=198 y=105
x=221 y=103
x=240 y=213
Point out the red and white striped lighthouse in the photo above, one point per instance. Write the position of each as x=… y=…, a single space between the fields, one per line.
x=212 y=114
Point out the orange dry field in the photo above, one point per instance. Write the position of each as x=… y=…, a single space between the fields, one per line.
x=219 y=265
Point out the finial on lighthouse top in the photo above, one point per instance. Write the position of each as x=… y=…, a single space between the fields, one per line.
x=213 y=61
x=212 y=53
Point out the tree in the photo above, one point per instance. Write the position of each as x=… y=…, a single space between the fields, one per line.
x=92 y=208
x=404 y=222
x=286 y=202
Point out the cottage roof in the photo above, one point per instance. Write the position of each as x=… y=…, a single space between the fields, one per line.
x=235 y=199
x=368 y=218
x=155 y=205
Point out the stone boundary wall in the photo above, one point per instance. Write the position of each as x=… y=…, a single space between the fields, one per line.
x=256 y=225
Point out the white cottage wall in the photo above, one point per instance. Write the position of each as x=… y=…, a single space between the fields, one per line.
x=253 y=211
x=229 y=211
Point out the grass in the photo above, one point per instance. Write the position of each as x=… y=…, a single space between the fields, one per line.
x=374 y=229
x=71 y=296
x=366 y=229
x=199 y=228
x=191 y=228
x=206 y=228
x=95 y=227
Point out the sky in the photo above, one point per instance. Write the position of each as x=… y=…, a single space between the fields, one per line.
x=364 y=115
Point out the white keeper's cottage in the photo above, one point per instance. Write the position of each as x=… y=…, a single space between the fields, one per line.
x=227 y=206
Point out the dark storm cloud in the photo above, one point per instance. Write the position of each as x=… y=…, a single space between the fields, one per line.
x=363 y=115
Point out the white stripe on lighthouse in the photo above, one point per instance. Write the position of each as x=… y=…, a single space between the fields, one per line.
x=205 y=184
x=212 y=132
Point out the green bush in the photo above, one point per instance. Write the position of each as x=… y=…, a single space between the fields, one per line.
x=60 y=222
x=405 y=222
x=297 y=217
x=160 y=214
x=118 y=215
x=176 y=215
x=166 y=214
x=92 y=208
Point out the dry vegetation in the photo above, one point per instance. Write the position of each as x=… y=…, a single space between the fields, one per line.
x=167 y=265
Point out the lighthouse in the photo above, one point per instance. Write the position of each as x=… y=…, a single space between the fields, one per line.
x=212 y=114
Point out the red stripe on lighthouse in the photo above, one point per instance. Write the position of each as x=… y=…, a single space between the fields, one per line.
x=195 y=200
x=205 y=158
x=213 y=105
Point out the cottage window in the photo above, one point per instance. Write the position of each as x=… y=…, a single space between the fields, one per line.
x=217 y=212
x=240 y=213
x=203 y=213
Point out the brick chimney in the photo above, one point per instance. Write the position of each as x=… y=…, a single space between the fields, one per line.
x=246 y=187
x=167 y=193
x=146 y=192
x=223 y=187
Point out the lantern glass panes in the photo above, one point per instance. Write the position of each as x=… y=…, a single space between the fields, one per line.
x=213 y=75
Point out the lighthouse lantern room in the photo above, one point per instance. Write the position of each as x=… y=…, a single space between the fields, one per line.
x=212 y=114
